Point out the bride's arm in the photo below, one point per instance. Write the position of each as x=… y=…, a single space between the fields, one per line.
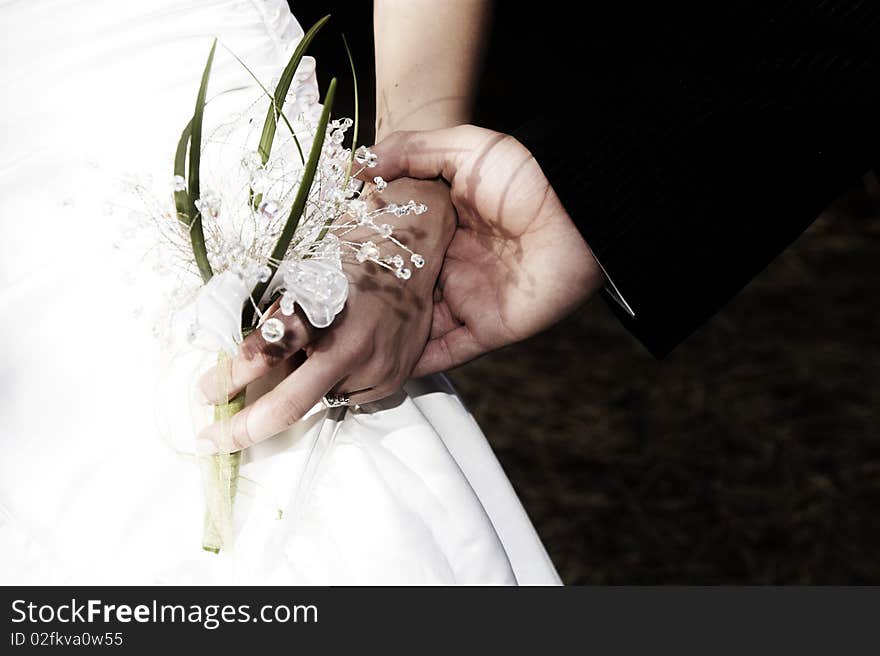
x=428 y=56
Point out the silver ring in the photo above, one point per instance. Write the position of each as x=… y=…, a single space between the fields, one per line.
x=336 y=400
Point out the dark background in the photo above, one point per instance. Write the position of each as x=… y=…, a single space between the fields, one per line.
x=751 y=454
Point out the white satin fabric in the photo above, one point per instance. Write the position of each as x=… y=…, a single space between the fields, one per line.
x=91 y=491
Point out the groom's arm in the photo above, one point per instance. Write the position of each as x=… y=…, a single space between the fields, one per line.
x=428 y=57
x=683 y=210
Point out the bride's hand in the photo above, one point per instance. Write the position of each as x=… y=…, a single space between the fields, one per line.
x=516 y=264
x=367 y=353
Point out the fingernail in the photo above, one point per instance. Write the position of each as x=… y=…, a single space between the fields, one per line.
x=205 y=382
x=206 y=440
x=205 y=446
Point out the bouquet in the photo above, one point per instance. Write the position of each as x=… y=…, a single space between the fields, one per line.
x=269 y=227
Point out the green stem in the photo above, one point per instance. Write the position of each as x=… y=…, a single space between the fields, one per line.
x=196 y=233
x=220 y=475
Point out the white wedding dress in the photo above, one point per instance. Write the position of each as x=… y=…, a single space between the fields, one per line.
x=404 y=491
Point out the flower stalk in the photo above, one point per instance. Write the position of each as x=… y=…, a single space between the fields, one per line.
x=220 y=477
x=220 y=471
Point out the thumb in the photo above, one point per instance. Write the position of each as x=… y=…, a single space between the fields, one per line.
x=425 y=155
x=448 y=351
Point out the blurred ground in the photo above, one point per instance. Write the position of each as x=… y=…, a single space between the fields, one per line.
x=750 y=455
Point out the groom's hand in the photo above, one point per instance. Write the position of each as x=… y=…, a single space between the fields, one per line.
x=367 y=353
x=516 y=264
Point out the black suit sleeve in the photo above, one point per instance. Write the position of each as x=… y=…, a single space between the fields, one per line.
x=687 y=177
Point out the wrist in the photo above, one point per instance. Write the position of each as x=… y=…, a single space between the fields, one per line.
x=421 y=115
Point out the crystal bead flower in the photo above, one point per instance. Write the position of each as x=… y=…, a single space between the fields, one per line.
x=361 y=154
x=367 y=251
x=269 y=209
x=272 y=330
x=251 y=161
x=357 y=209
x=287 y=303
x=209 y=204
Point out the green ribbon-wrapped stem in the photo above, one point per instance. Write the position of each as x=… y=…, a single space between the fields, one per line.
x=220 y=473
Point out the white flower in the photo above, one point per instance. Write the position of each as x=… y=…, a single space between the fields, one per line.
x=213 y=319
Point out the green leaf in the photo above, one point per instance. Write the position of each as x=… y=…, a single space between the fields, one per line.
x=283 y=87
x=181 y=198
x=271 y=98
x=196 y=233
x=354 y=133
x=299 y=202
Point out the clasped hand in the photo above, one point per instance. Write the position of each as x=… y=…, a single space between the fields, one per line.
x=512 y=266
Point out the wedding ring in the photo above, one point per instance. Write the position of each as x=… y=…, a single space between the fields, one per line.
x=336 y=400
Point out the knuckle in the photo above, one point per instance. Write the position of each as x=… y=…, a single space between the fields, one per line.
x=401 y=376
x=290 y=409
x=297 y=333
x=360 y=348
x=299 y=324
x=241 y=434
x=467 y=131
x=471 y=134
x=255 y=350
x=383 y=371
x=394 y=377
x=459 y=194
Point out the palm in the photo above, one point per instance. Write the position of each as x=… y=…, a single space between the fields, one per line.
x=515 y=265
x=481 y=285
